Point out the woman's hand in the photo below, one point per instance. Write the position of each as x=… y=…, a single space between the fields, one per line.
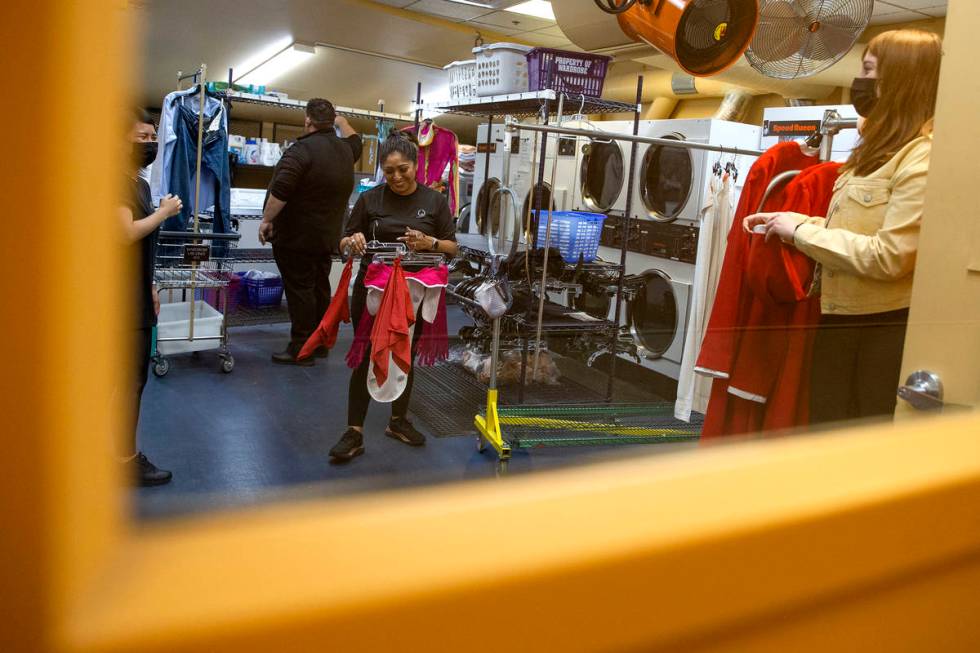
x=171 y=205
x=780 y=225
x=356 y=243
x=416 y=240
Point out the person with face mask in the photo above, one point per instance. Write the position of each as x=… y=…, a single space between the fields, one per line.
x=865 y=248
x=140 y=224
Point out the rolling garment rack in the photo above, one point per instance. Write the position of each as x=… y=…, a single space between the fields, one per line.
x=585 y=423
x=187 y=261
x=554 y=425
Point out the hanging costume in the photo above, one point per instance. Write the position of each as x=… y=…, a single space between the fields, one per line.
x=438 y=148
x=175 y=168
x=694 y=390
x=758 y=343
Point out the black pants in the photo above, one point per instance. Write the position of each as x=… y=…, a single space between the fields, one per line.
x=141 y=350
x=857 y=361
x=306 y=280
x=358 y=397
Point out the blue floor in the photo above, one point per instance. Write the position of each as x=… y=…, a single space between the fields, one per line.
x=264 y=431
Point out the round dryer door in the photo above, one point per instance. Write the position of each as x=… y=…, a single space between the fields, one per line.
x=653 y=315
x=666 y=180
x=602 y=175
x=489 y=192
x=530 y=199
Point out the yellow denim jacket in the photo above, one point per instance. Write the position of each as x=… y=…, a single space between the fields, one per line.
x=867 y=244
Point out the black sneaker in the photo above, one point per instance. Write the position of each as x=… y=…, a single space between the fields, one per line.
x=148 y=474
x=351 y=446
x=401 y=429
x=287 y=358
x=321 y=352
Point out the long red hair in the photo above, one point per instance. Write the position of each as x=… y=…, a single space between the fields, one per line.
x=908 y=83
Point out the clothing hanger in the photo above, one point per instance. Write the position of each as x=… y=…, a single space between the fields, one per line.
x=777 y=181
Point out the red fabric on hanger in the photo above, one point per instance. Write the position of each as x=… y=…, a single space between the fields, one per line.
x=720 y=337
x=771 y=343
x=390 y=334
x=325 y=334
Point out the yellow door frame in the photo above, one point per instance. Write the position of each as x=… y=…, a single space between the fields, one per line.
x=865 y=540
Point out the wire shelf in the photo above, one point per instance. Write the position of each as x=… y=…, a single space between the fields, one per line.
x=177 y=278
x=595 y=424
x=287 y=103
x=526 y=105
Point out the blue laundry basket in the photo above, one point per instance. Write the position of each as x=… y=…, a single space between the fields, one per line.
x=573 y=233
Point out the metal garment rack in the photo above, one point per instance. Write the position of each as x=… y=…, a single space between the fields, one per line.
x=522 y=105
x=196 y=273
x=513 y=107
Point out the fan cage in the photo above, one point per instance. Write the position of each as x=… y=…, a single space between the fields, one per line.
x=801 y=38
x=714 y=33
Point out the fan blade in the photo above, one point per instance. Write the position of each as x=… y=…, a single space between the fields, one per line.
x=715 y=13
x=810 y=9
x=780 y=33
x=830 y=43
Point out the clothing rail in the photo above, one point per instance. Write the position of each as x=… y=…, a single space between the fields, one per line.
x=514 y=125
x=181 y=76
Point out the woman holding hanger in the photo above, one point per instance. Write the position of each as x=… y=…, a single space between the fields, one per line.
x=866 y=247
x=400 y=210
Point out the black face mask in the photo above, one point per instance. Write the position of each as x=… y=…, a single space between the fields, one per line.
x=864 y=95
x=144 y=153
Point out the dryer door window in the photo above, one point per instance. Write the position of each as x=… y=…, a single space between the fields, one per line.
x=653 y=315
x=530 y=200
x=488 y=192
x=602 y=175
x=666 y=180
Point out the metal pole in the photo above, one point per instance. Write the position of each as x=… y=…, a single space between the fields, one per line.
x=547 y=246
x=485 y=203
x=608 y=136
x=418 y=106
x=197 y=192
x=627 y=227
x=505 y=183
x=538 y=189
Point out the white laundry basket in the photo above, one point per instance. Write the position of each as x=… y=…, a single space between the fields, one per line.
x=462 y=79
x=501 y=69
x=174 y=322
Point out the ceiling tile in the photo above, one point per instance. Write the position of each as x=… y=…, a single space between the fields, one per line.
x=508 y=31
x=445 y=9
x=515 y=21
x=900 y=16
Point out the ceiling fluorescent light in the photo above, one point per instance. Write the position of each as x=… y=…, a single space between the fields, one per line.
x=278 y=65
x=473 y=4
x=537 y=8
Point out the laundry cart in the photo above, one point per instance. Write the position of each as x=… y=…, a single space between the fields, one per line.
x=193 y=271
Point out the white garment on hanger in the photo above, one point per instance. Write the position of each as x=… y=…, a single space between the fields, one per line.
x=694 y=390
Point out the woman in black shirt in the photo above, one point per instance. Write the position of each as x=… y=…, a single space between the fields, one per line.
x=401 y=210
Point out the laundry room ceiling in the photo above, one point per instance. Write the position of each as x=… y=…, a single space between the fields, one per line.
x=888 y=12
x=490 y=15
x=181 y=34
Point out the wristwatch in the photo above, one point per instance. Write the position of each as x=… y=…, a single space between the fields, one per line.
x=435 y=243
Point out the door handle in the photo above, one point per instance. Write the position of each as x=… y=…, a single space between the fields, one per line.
x=923 y=390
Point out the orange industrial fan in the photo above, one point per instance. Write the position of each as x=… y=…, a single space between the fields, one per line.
x=704 y=36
